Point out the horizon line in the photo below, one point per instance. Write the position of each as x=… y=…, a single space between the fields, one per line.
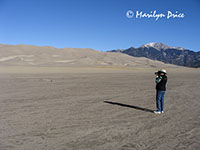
x=91 y=48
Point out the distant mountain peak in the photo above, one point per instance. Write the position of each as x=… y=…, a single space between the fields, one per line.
x=160 y=46
x=166 y=54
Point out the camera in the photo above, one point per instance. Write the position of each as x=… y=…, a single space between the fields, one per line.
x=158 y=73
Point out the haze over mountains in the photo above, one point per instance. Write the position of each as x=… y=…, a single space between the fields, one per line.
x=165 y=53
x=28 y=55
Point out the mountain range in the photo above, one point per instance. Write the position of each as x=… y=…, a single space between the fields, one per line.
x=161 y=52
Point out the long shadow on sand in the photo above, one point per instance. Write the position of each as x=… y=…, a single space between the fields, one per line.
x=129 y=106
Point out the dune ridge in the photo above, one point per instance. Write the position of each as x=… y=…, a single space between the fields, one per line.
x=46 y=56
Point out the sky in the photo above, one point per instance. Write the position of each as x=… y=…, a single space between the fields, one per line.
x=99 y=24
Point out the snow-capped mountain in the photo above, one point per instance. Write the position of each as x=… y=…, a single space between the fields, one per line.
x=165 y=53
x=160 y=46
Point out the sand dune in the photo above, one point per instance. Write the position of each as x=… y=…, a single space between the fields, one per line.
x=27 y=55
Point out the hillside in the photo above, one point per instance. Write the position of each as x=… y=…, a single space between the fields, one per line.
x=28 y=55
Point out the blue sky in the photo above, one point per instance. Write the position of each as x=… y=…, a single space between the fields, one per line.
x=98 y=24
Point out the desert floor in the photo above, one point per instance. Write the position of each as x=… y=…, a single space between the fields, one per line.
x=102 y=109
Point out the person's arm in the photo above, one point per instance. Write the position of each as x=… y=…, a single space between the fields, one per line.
x=158 y=79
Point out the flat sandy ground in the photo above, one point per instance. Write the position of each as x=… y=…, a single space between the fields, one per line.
x=98 y=110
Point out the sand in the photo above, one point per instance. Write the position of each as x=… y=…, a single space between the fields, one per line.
x=40 y=56
x=102 y=109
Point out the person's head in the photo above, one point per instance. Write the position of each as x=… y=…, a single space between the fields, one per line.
x=161 y=72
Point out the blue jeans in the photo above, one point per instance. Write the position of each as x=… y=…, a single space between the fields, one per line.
x=160 y=100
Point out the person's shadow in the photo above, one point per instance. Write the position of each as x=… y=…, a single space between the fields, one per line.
x=130 y=106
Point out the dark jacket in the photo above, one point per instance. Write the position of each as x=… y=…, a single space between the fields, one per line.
x=161 y=83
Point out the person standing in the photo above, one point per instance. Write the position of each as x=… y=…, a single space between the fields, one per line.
x=161 y=80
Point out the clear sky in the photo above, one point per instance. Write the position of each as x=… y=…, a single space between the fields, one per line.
x=98 y=24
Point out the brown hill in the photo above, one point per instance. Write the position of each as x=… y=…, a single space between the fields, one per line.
x=29 y=55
